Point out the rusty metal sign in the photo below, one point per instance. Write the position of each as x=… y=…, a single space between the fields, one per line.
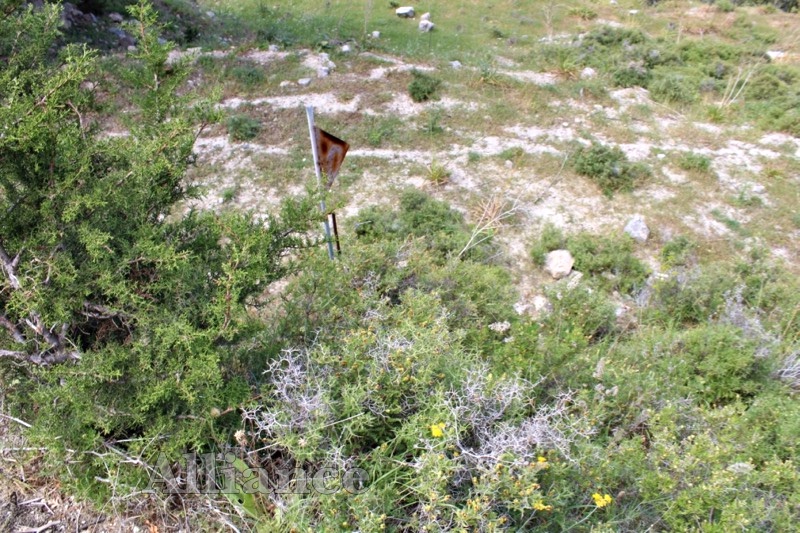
x=330 y=151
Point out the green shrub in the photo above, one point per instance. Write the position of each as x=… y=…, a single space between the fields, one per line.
x=766 y=86
x=722 y=365
x=423 y=87
x=609 y=260
x=678 y=251
x=609 y=168
x=692 y=161
x=249 y=75
x=674 y=87
x=381 y=130
x=242 y=127
x=441 y=228
x=136 y=333
x=690 y=296
x=579 y=316
x=550 y=239
x=725 y=6
x=612 y=37
x=582 y=12
x=634 y=75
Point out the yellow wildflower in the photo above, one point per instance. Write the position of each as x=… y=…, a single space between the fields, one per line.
x=540 y=506
x=601 y=501
x=437 y=430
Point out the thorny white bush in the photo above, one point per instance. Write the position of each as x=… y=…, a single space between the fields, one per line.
x=790 y=370
x=739 y=315
x=297 y=398
x=484 y=405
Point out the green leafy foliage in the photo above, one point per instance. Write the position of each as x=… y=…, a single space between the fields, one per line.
x=609 y=168
x=677 y=251
x=608 y=260
x=249 y=75
x=627 y=402
x=124 y=324
x=674 y=87
x=423 y=87
x=694 y=162
x=243 y=127
x=442 y=228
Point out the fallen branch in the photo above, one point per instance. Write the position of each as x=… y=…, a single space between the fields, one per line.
x=10 y=267
x=41 y=529
x=17 y=420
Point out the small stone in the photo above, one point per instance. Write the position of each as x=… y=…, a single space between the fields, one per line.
x=426 y=26
x=509 y=164
x=588 y=73
x=376 y=34
x=285 y=83
x=740 y=468
x=633 y=12
x=116 y=18
x=211 y=14
x=456 y=65
x=323 y=72
x=558 y=263
x=425 y=16
x=405 y=12
x=541 y=304
x=574 y=279
x=661 y=156
x=346 y=48
x=304 y=82
x=131 y=48
x=273 y=48
x=637 y=229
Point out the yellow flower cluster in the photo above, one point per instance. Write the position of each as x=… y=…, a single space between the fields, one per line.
x=540 y=506
x=437 y=430
x=602 y=501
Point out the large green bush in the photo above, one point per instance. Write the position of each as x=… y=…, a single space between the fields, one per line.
x=121 y=325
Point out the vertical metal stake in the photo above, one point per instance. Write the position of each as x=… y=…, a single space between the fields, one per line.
x=336 y=233
x=318 y=171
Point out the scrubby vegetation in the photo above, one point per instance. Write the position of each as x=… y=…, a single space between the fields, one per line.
x=657 y=391
x=609 y=168
x=423 y=87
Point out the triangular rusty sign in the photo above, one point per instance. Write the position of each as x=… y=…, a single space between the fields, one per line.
x=330 y=151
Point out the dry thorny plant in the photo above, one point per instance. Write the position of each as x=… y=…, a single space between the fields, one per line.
x=491 y=214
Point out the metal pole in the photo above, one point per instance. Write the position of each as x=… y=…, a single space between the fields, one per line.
x=336 y=233
x=318 y=171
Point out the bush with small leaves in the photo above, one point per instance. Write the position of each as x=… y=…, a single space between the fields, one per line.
x=609 y=168
x=423 y=87
x=674 y=87
x=249 y=75
x=242 y=127
x=678 y=251
x=693 y=161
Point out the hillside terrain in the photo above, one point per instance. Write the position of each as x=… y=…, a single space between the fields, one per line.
x=567 y=292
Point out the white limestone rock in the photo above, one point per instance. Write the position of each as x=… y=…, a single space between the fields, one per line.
x=558 y=263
